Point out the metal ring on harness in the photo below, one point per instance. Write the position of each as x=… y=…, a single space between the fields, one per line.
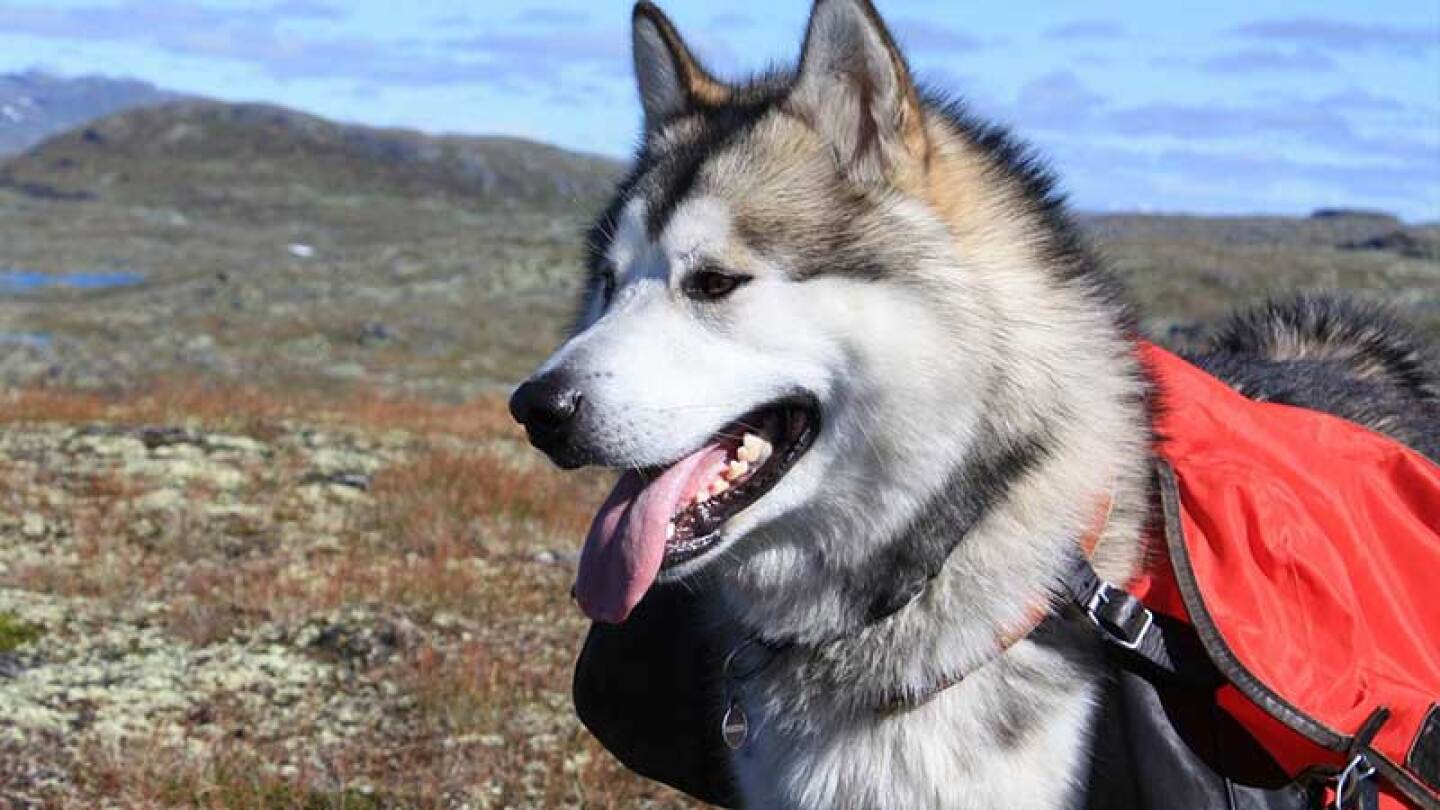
x=1356 y=772
x=1116 y=632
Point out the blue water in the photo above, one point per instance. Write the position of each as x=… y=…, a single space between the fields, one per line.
x=19 y=281
x=34 y=340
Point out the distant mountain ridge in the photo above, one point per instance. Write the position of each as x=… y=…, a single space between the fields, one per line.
x=201 y=152
x=35 y=105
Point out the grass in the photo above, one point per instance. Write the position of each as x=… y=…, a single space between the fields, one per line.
x=15 y=633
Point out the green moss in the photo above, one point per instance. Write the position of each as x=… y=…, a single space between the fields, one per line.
x=15 y=633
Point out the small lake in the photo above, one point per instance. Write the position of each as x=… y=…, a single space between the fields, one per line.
x=34 y=340
x=21 y=281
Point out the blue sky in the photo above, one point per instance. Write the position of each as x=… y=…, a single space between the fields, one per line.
x=1224 y=106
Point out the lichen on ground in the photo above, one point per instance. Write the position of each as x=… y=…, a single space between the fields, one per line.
x=256 y=611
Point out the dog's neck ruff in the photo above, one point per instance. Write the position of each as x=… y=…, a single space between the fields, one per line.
x=753 y=655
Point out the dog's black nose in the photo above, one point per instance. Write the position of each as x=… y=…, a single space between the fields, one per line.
x=546 y=406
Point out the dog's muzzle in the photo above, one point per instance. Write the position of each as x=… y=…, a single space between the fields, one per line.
x=550 y=407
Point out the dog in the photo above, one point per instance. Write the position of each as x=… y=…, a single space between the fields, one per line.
x=865 y=383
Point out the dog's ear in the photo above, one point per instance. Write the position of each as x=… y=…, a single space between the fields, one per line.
x=855 y=89
x=672 y=81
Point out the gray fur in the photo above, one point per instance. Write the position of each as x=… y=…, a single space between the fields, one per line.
x=1335 y=355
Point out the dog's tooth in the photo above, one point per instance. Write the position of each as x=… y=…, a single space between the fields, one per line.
x=736 y=469
x=718 y=486
x=670 y=530
x=702 y=496
x=751 y=447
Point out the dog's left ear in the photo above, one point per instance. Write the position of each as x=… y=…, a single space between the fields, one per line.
x=672 y=81
x=856 y=91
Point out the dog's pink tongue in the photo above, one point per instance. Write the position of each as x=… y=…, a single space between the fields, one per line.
x=626 y=544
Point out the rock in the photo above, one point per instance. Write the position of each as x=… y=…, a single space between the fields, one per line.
x=240 y=445
x=107 y=443
x=1402 y=242
x=357 y=637
x=155 y=437
x=334 y=460
x=1364 y=214
x=346 y=371
x=234 y=510
x=161 y=500
x=10 y=666
x=176 y=451
x=34 y=526
x=347 y=479
x=374 y=333
x=176 y=470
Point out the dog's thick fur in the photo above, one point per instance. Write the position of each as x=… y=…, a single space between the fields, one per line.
x=914 y=270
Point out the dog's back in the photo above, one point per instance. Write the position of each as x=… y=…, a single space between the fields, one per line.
x=1335 y=355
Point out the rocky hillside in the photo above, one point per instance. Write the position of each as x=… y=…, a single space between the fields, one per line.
x=35 y=105
x=263 y=159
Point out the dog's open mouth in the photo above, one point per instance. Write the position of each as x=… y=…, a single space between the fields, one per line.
x=663 y=517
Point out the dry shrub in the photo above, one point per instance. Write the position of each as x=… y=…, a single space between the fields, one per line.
x=474 y=700
x=107 y=565
x=211 y=602
x=230 y=776
x=453 y=503
x=256 y=411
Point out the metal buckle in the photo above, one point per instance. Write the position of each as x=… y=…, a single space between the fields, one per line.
x=1356 y=772
x=1102 y=597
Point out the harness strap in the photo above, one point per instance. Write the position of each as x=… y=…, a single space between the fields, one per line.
x=1126 y=625
x=1163 y=644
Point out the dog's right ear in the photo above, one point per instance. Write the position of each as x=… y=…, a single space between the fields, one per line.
x=856 y=91
x=671 y=80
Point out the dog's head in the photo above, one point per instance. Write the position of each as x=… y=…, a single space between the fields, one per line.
x=774 y=334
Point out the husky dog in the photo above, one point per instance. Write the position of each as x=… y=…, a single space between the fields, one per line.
x=866 y=386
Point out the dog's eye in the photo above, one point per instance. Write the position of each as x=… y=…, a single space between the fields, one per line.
x=712 y=285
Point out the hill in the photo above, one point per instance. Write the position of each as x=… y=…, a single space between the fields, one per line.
x=35 y=105
x=271 y=244
x=270 y=159
x=252 y=242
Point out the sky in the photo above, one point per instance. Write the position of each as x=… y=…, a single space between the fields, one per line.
x=1227 y=106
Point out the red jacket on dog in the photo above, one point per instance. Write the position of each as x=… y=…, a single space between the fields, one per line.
x=1305 y=551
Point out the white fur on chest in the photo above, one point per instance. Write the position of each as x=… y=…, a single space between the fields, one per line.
x=999 y=739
